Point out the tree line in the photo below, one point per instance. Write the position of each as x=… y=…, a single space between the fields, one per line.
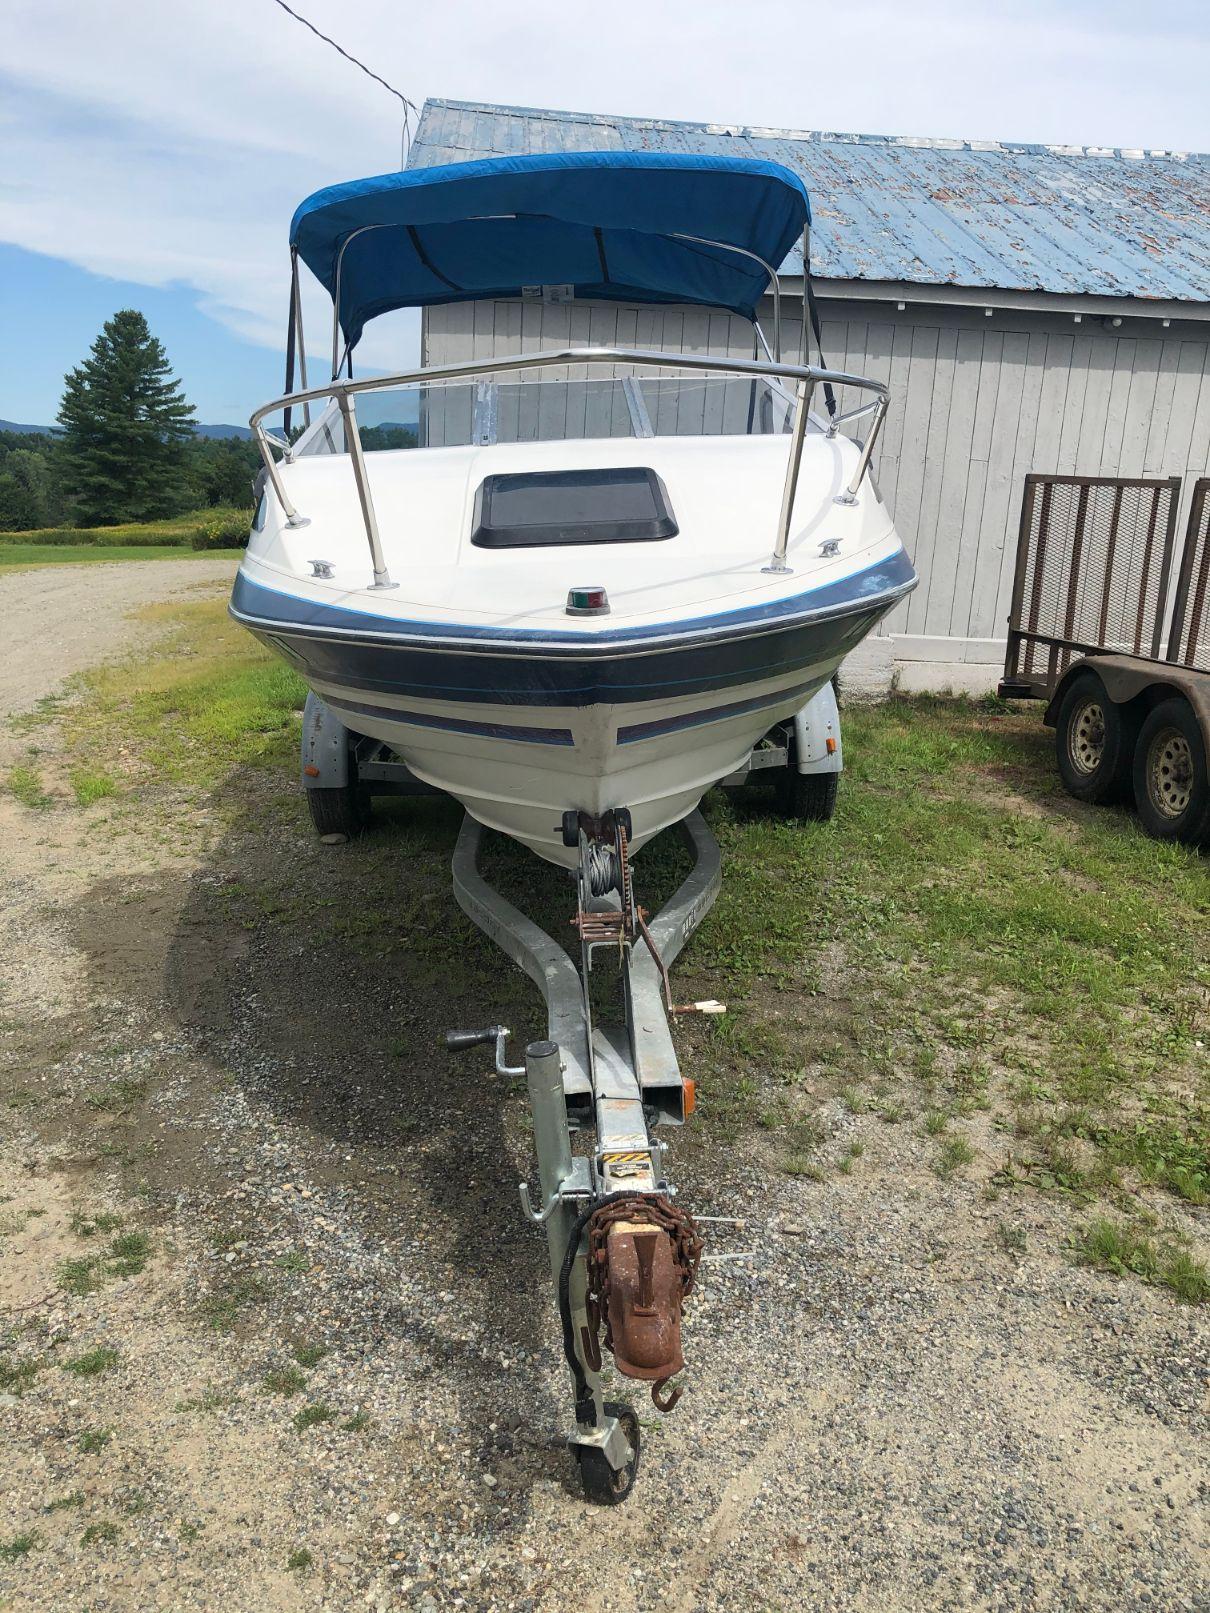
x=126 y=449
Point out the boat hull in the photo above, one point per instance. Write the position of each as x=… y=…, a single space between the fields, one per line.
x=521 y=733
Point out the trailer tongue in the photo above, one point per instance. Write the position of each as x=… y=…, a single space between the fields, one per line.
x=623 y=1254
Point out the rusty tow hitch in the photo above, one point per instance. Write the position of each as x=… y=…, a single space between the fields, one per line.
x=643 y=1255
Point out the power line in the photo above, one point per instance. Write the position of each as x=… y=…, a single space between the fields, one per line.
x=408 y=106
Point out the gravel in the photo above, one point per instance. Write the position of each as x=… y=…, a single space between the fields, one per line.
x=884 y=1409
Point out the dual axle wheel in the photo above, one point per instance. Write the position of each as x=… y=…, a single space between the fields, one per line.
x=1107 y=752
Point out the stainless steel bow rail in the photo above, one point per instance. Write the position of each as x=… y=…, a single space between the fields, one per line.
x=623 y=1254
x=805 y=376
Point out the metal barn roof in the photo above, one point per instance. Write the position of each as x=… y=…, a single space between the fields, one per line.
x=1065 y=220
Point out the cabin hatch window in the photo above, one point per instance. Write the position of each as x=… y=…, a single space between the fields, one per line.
x=539 y=509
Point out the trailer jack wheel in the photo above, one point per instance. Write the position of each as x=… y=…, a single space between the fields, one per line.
x=606 y=1485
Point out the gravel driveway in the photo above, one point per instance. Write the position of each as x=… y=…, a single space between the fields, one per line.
x=336 y=1383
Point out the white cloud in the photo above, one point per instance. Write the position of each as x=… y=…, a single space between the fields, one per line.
x=171 y=143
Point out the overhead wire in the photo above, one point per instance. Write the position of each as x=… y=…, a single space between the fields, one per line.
x=409 y=106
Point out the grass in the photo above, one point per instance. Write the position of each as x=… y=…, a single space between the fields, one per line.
x=127 y=1256
x=953 y=1156
x=312 y=1416
x=19 y=1546
x=92 y=1362
x=25 y=784
x=91 y=785
x=1123 y=1249
x=299 y=1560
x=131 y=540
x=961 y=939
x=17 y=1376
x=309 y=1355
x=100 y=1534
x=66 y=1503
x=284 y=1381
x=17 y=556
x=93 y=1440
x=211 y=700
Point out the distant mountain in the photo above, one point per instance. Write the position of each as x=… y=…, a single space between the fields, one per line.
x=242 y=432
x=27 y=431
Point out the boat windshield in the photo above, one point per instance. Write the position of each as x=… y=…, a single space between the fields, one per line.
x=436 y=415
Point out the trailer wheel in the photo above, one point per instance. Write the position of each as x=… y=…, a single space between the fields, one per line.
x=601 y=1482
x=339 y=810
x=807 y=797
x=1094 y=742
x=1171 y=783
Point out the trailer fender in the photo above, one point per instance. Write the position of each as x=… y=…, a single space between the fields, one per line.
x=1129 y=677
x=817 y=746
x=325 y=747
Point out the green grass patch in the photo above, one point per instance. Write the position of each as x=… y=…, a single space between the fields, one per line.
x=1124 y=1249
x=25 y=784
x=312 y=1416
x=92 y=1362
x=284 y=1381
x=210 y=700
x=66 y=1503
x=90 y=785
x=93 y=1440
x=22 y=556
x=16 y=1376
x=104 y=1533
x=19 y=1546
x=127 y=1256
x=953 y=1156
x=299 y=1560
x=174 y=531
x=309 y=1355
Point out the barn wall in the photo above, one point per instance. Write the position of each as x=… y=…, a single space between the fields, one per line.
x=977 y=402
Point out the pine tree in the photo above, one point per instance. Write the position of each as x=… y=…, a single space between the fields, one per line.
x=126 y=425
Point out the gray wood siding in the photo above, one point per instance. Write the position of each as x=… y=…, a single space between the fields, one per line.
x=976 y=403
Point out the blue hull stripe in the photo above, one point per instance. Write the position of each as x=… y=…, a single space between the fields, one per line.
x=880 y=584
x=634 y=732
x=455 y=725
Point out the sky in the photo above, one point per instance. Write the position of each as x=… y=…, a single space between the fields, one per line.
x=154 y=153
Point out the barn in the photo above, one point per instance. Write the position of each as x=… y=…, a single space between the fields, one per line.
x=1032 y=308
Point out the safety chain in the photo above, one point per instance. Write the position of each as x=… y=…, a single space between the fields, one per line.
x=648 y=1209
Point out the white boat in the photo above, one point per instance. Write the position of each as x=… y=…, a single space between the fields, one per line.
x=585 y=581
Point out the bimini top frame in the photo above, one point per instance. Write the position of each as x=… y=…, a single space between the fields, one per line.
x=623 y=226
x=628 y=226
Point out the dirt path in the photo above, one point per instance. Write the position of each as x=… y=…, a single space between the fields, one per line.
x=273 y=1334
x=60 y=620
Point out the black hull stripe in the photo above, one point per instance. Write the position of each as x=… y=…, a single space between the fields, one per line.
x=454 y=725
x=634 y=732
x=405 y=672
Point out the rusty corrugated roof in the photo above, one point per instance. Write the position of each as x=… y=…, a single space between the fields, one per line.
x=1069 y=220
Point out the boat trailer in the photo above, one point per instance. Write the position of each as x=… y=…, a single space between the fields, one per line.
x=623 y=1254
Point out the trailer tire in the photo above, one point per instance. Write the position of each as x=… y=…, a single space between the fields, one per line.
x=1171 y=778
x=1094 y=742
x=602 y=1483
x=807 y=797
x=339 y=810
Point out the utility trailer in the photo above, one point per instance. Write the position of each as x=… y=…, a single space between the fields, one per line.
x=1121 y=656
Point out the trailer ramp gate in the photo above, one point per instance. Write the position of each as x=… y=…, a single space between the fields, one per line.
x=1189 y=642
x=1093 y=560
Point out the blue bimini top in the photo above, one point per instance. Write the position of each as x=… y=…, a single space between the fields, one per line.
x=597 y=224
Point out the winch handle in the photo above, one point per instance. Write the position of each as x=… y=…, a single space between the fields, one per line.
x=459 y=1041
